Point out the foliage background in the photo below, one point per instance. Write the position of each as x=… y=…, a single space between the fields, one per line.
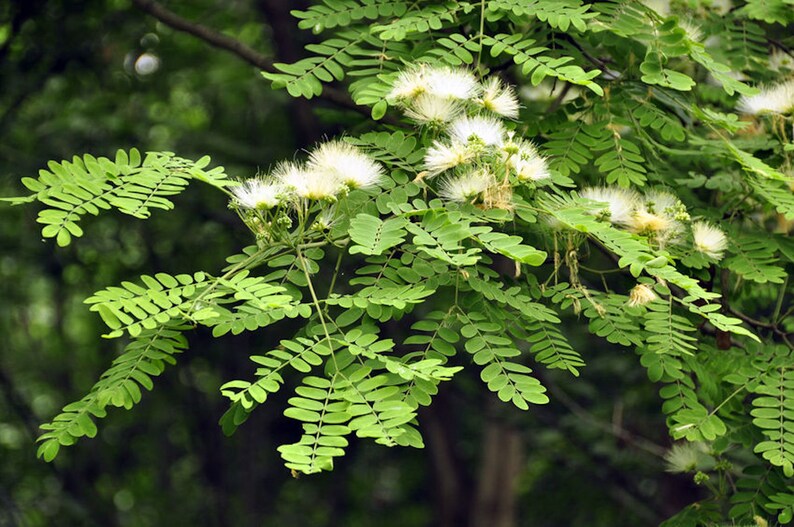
x=70 y=85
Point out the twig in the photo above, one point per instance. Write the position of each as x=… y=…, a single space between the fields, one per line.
x=613 y=428
x=752 y=321
x=234 y=46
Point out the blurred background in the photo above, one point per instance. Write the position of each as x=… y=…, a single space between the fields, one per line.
x=94 y=76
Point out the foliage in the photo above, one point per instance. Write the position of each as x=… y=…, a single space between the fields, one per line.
x=587 y=203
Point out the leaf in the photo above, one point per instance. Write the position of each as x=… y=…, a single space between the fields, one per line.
x=373 y=236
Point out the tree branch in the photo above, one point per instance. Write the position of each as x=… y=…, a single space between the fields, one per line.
x=234 y=46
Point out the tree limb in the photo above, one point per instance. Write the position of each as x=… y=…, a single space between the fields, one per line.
x=234 y=46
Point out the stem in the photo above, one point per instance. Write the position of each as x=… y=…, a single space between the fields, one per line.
x=482 y=31
x=779 y=303
x=336 y=273
x=316 y=302
x=225 y=276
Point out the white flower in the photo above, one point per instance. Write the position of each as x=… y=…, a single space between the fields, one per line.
x=305 y=183
x=499 y=98
x=486 y=130
x=620 y=203
x=721 y=7
x=641 y=294
x=466 y=187
x=709 y=240
x=346 y=164
x=325 y=219
x=645 y=222
x=526 y=162
x=781 y=60
x=659 y=215
x=408 y=85
x=451 y=83
x=693 y=31
x=258 y=193
x=441 y=156
x=430 y=109
x=533 y=169
x=442 y=82
x=661 y=202
x=688 y=457
x=774 y=99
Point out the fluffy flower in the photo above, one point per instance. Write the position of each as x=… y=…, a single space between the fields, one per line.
x=441 y=156
x=533 y=169
x=443 y=82
x=467 y=187
x=660 y=202
x=777 y=99
x=688 y=457
x=307 y=184
x=645 y=222
x=781 y=60
x=641 y=294
x=499 y=98
x=258 y=193
x=527 y=163
x=709 y=240
x=693 y=31
x=346 y=164
x=432 y=110
x=620 y=203
x=721 y=7
x=486 y=130
x=659 y=215
x=325 y=219
x=451 y=83
x=409 y=85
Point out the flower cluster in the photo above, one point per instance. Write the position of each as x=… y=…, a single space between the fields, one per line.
x=333 y=169
x=658 y=215
x=475 y=154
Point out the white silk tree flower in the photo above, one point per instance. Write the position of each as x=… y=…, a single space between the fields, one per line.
x=259 y=193
x=444 y=156
x=408 y=85
x=498 y=98
x=451 y=83
x=346 y=164
x=641 y=294
x=619 y=203
x=466 y=187
x=688 y=457
x=721 y=7
x=524 y=160
x=307 y=184
x=442 y=82
x=777 y=99
x=709 y=240
x=692 y=30
x=485 y=130
x=659 y=215
x=781 y=61
x=533 y=169
x=429 y=109
x=645 y=222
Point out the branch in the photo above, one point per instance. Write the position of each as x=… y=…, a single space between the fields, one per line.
x=613 y=428
x=226 y=43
